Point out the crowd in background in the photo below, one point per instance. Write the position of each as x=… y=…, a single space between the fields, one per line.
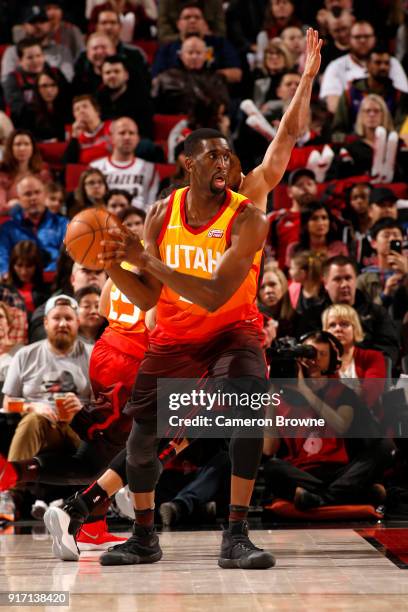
x=96 y=99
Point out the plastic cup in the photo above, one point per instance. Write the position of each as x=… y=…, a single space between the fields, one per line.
x=59 y=399
x=15 y=404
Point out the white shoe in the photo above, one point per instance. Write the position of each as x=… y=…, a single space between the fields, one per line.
x=124 y=503
x=63 y=543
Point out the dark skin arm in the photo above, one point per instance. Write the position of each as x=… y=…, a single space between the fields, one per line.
x=262 y=179
x=247 y=237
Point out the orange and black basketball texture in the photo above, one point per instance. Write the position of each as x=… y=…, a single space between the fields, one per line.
x=85 y=233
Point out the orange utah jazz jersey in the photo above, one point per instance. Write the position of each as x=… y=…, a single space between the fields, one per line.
x=127 y=330
x=197 y=252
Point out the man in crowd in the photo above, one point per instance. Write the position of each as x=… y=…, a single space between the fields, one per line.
x=340 y=281
x=108 y=23
x=169 y=12
x=62 y=32
x=38 y=26
x=377 y=82
x=81 y=278
x=57 y=364
x=118 y=97
x=19 y=85
x=126 y=171
x=32 y=220
x=382 y=203
x=381 y=280
x=223 y=57
x=88 y=65
x=90 y=136
x=338 y=43
x=354 y=66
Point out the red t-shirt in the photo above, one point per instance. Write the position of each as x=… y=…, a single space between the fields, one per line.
x=94 y=145
x=316 y=449
x=283 y=230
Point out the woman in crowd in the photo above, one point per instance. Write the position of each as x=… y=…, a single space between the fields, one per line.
x=50 y=111
x=21 y=157
x=295 y=41
x=274 y=61
x=279 y=15
x=91 y=191
x=133 y=218
x=356 y=158
x=306 y=288
x=343 y=322
x=25 y=275
x=274 y=300
x=118 y=200
x=356 y=213
x=318 y=234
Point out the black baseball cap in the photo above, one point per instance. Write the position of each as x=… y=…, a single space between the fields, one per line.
x=35 y=14
x=382 y=195
x=296 y=174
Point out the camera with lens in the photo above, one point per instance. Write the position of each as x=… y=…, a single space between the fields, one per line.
x=283 y=354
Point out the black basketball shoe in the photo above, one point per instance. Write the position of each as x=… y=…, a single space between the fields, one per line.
x=142 y=547
x=237 y=550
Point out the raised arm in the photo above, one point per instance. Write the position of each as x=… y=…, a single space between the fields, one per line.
x=260 y=181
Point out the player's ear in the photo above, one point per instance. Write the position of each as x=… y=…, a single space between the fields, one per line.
x=189 y=163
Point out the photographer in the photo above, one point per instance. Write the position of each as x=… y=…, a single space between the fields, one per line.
x=316 y=471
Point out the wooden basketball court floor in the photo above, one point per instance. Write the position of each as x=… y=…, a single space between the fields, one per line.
x=318 y=569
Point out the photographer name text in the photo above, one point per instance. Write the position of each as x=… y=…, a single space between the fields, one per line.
x=224 y=421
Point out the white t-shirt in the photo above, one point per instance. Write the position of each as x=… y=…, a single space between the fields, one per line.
x=138 y=177
x=36 y=373
x=344 y=69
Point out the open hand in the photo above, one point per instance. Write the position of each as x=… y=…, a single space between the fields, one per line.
x=313 y=57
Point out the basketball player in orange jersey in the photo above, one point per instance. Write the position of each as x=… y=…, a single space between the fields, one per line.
x=200 y=265
x=255 y=185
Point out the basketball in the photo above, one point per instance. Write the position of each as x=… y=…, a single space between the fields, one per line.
x=85 y=233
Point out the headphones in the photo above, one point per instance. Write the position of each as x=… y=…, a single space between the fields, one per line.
x=336 y=348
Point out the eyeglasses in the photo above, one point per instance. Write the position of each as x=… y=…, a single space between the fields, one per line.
x=371 y=111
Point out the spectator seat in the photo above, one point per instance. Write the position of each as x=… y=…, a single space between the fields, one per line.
x=287 y=510
x=52 y=153
x=72 y=174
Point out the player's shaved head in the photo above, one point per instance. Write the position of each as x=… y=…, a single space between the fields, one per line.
x=194 y=141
